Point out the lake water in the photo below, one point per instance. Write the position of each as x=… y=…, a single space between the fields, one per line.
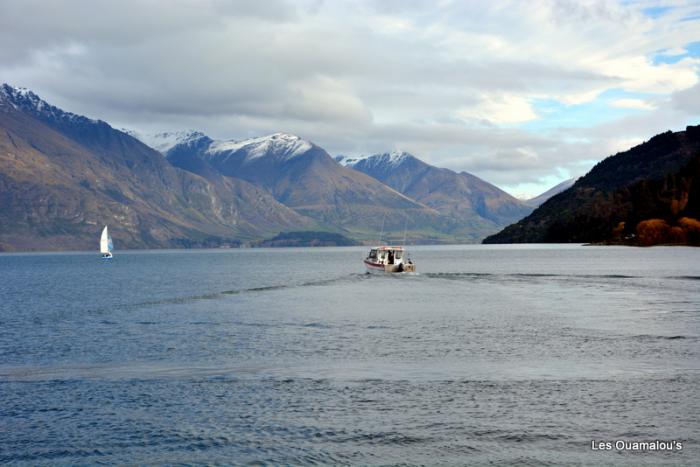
x=489 y=354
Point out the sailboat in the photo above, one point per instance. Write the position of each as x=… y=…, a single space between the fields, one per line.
x=106 y=246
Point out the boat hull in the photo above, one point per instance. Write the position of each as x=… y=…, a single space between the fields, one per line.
x=373 y=268
x=377 y=268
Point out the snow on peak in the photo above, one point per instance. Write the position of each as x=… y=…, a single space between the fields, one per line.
x=395 y=157
x=389 y=159
x=165 y=141
x=17 y=96
x=284 y=145
x=345 y=160
x=25 y=100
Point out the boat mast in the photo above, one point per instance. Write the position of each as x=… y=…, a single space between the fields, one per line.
x=382 y=232
x=405 y=224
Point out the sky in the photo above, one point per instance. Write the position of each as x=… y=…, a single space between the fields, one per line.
x=523 y=94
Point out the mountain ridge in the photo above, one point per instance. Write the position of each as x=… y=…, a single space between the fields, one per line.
x=301 y=175
x=658 y=180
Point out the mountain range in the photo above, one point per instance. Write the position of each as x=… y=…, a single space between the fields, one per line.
x=63 y=176
x=302 y=176
x=647 y=195
x=356 y=198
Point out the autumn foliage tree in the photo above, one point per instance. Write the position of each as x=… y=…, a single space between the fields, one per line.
x=691 y=227
x=658 y=231
x=652 y=232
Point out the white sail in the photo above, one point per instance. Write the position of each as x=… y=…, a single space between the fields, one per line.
x=105 y=242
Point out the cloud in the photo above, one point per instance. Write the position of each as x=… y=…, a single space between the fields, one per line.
x=457 y=83
x=632 y=104
x=688 y=101
x=499 y=109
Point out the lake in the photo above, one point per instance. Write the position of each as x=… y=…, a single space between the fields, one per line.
x=497 y=354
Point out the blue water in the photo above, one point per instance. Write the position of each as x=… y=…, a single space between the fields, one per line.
x=515 y=355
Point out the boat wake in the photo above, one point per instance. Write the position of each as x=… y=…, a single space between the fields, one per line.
x=487 y=275
x=479 y=275
x=355 y=277
x=224 y=293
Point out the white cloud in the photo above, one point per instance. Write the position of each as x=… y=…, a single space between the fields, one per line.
x=613 y=146
x=499 y=109
x=637 y=73
x=639 y=104
x=674 y=52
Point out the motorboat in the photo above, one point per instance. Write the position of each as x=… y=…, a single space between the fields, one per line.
x=389 y=259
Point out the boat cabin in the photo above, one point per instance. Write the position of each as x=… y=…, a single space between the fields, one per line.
x=386 y=255
x=389 y=259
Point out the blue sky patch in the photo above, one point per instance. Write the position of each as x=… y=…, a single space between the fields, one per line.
x=554 y=114
x=692 y=50
x=656 y=11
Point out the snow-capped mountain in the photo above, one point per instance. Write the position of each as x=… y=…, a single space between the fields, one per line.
x=63 y=176
x=301 y=175
x=392 y=166
x=385 y=161
x=261 y=160
x=165 y=141
x=281 y=146
x=87 y=131
x=472 y=204
x=25 y=100
x=350 y=192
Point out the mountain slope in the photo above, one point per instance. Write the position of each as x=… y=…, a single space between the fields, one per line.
x=474 y=207
x=62 y=176
x=659 y=179
x=555 y=190
x=304 y=177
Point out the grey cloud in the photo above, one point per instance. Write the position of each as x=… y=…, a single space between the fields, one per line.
x=335 y=73
x=688 y=101
x=198 y=62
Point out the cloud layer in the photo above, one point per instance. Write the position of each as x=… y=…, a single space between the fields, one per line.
x=523 y=94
